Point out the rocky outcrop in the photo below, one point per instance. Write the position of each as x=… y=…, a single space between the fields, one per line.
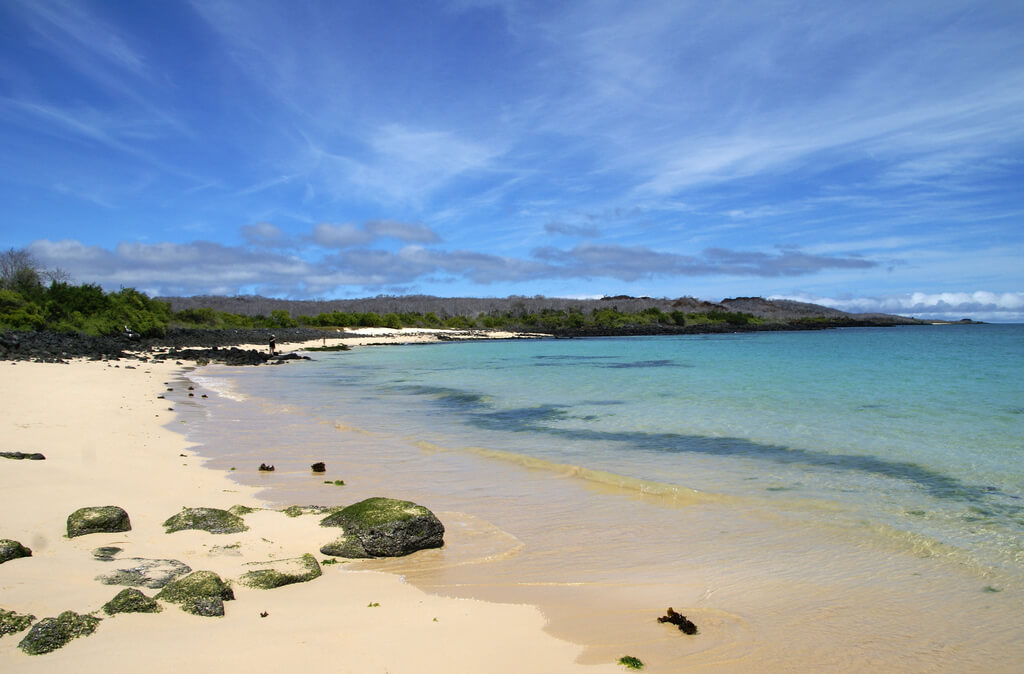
x=18 y=456
x=130 y=600
x=280 y=572
x=139 y=572
x=214 y=520
x=11 y=549
x=49 y=634
x=684 y=624
x=383 y=527
x=12 y=622
x=98 y=519
x=200 y=593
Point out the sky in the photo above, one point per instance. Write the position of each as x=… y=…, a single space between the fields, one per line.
x=864 y=155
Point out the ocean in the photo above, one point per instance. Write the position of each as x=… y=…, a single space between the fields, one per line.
x=835 y=499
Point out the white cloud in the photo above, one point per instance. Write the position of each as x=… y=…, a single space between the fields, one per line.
x=983 y=305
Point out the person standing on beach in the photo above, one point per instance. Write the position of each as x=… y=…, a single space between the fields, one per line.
x=273 y=343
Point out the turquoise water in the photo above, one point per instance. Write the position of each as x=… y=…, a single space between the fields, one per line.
x=918 y=428
x=877 y=468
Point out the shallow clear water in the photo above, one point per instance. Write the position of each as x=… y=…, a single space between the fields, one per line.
x=835 y=459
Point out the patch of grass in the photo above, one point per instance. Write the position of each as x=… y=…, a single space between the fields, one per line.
x=630 y=662
x=337 y=483
x=326 y=562
x=372 y=604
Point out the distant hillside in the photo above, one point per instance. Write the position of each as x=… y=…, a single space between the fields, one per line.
x=773 y=314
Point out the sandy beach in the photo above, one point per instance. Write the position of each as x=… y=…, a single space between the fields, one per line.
x=108 y=439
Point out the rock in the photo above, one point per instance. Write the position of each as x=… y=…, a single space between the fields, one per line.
x=241 y=510
x=10 y=549
x=679 y=620
x=383 y=527
x=49 y=634
x=139 y=572
x=265 y=468
x=280 y=572
x=214 y=520
x=98 y=519
x=201 y=593
x=319 y=467
x=12 y=622
x=106 y=553
x=18 y=456
x=130 y=600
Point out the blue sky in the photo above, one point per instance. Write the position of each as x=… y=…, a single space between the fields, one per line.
x=865 y=155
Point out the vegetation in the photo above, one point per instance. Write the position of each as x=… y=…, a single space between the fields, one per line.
x=32 y=298
x=630 y=662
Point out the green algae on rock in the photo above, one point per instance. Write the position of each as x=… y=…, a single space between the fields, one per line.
x=241 y=510
x=130 y=600
x=11 y=549
x=12 y=622
x=280 y=572
x=383 y=527
x=214 y=520
x=49 y=634
x=200 y=592
x=98 y=519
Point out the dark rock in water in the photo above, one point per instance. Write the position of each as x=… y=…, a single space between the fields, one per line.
x=679 y=620
x=280 y=572
x=140 y=572
x=130 y=600
x=11 y=549
x=266 y=468
x=319 y=467
x=201 y=593
x=383 y=527
x=214 y=520
x=12 y=622
x=49 y=634
x=105 y=554
x=98 y=519
x=18 y=456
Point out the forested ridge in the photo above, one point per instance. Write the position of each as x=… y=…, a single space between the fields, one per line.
x=45 y=300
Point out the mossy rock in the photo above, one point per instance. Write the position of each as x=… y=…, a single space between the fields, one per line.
x=10 y=549
x=384 y=527
x=280 y=572
x=214 y=520
x=98 y=520
x=130 y=600
x=12 y=622
x=241 y=510
x=201 y=592
x=49 y=634
x=106 y=553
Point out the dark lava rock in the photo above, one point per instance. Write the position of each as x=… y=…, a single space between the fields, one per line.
x=214 y=520
x=49 y=634
x=151 y=573
x=266 y=468
x=319 y=467
x=201 y=593
x=10 y=549
x=12 y=622
x=280 y=572
x=106 y=553
x=383 y=527
x=679 y=620
x=98 y=519
x=18 y=456
x=130 y=600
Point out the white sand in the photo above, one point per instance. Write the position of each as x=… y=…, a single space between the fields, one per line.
x=102 y=430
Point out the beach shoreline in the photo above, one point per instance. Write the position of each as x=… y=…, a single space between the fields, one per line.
x=110 y=439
